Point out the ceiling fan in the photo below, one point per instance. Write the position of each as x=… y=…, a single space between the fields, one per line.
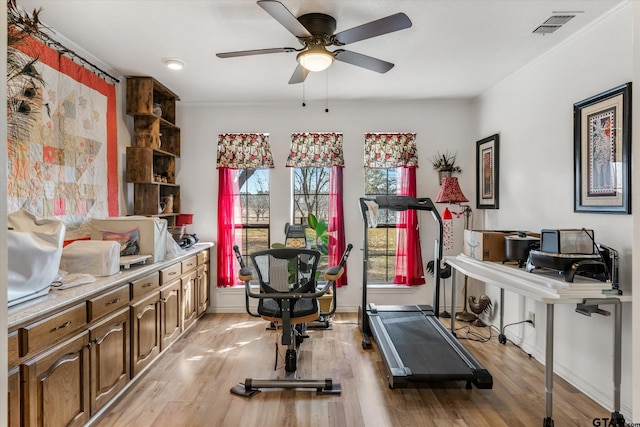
x=315 y=31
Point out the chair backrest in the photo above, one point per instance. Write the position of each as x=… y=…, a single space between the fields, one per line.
x=286 y=269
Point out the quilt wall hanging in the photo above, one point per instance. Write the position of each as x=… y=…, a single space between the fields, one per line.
x=64 y=163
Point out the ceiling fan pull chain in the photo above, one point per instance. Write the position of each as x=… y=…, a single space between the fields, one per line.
x=304 y=104
x=326 y=91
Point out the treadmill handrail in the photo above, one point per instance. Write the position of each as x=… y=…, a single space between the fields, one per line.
x=402 y=203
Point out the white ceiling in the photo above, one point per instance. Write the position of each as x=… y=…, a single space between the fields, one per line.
x=455 y=48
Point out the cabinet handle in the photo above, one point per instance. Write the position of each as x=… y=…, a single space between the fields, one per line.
x=117 y=300
x=172 y=273
x=64 y=325
x=146 y=285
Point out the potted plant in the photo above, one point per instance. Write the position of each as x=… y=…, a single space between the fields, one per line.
x=445 y=164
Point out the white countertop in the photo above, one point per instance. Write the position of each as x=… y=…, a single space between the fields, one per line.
x=56 y=299
x=545 y=286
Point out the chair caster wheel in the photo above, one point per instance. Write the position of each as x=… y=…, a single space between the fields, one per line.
x=290 y=361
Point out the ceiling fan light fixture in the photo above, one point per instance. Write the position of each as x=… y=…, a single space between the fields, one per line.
x=315 y=58
x=173 y=63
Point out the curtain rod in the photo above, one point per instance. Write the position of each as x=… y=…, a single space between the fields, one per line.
x=63 y=50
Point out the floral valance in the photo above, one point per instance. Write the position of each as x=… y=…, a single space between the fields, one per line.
x=315 y=149
x=390 y=150
x=244 y=150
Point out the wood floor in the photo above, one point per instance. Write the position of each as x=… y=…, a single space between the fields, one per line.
x=189 y=385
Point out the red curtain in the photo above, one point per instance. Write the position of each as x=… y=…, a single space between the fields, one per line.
x=228 y=224
x=337 y=243
x=409 y=269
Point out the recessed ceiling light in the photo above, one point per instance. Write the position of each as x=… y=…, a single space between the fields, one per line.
x=173 y=63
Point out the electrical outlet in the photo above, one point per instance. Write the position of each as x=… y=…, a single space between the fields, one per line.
x=532 y=319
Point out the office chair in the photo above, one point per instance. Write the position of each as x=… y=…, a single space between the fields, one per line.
x=288 y=295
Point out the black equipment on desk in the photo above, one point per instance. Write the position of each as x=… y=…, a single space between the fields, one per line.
x=188 y=240
x=575 y=251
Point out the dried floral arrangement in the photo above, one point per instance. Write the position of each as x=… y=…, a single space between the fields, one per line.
x=445 y=162
x=24 y=83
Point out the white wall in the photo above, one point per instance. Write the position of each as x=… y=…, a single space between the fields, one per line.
x=533 y=112
x=636 y=219
x=440 y=126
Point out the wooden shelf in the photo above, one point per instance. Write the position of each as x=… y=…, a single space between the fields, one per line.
x=143 y=92
x=147 y=164
x=151 y=160
x=147 y=198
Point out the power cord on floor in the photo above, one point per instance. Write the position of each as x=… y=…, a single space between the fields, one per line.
x=502 y=338
x=472 y=335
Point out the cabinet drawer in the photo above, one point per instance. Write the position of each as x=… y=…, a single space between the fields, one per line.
x=171 y=273
x=145 y=285
x=203 y=257
x=189 y=264
x=38 y=335
x=108 y=302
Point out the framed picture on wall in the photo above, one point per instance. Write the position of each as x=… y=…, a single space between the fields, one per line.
x=487 y=172
x=602 y=152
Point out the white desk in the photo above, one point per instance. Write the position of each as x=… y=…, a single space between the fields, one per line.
x=549 y=289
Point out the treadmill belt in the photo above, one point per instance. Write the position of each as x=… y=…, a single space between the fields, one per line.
x=422 y=347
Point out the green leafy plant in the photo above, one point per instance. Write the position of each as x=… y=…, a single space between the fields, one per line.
x=319 y=242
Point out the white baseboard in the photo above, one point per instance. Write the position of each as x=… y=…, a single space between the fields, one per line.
x=573 y=378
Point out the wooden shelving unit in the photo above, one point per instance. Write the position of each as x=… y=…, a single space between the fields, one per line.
x=151 y=160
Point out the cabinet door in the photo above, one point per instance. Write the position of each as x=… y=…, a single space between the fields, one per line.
x=188 y=299
x=56 y=385
x=145 y=332
x=109 y=358
x=13 y=403
x=202 y=288
x=171 y=321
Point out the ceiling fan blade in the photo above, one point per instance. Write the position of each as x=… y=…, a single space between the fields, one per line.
x=364 y=61
x=255 y=52
x=299 y=74
x=281 y=14
x=391 y=23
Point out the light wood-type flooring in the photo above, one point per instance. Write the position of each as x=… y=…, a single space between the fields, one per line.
x=189 y=385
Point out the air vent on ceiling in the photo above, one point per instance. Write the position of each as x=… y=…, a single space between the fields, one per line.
x=552 y=24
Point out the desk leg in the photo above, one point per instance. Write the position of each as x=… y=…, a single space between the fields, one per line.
x=617 y=419
x=548 y=369
x=454 y=275
x=502 y=311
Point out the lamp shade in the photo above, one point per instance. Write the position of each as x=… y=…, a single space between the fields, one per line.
x=450 y=192
x=184 y=219
x=315 y=58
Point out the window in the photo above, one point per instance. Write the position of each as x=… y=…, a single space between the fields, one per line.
x=311 y=195
x=382 y=239
x=254 y=202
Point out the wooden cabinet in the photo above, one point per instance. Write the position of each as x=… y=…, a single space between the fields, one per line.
x=145 y=332
x=71 y=359
x=188 y=295
x=13 y=398
x=202 y=288
x=151 y=160
x=109 y=354
x=56 y=385
x=171 y=320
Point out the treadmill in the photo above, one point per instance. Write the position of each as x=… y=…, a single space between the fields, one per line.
x=415 y=346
